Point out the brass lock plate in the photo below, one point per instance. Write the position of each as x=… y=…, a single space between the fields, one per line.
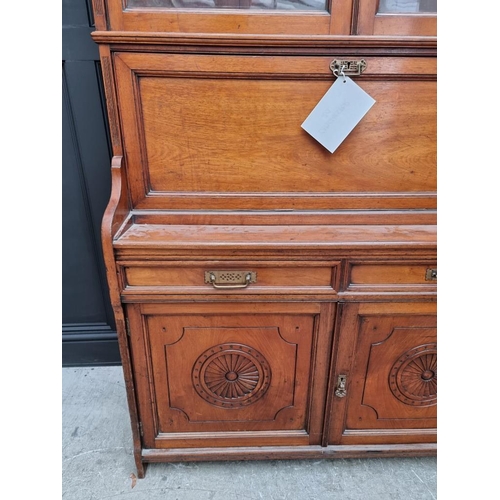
x=340 y=390
x=349 y=67
x=431 y=275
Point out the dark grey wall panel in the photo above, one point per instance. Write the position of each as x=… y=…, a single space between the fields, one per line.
x=89 y=335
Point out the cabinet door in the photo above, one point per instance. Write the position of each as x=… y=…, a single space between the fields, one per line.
x=230 y=374
x=397 y=17
x=387 y=355
x=314 y=17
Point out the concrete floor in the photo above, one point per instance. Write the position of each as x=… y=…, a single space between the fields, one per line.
x=98 y=462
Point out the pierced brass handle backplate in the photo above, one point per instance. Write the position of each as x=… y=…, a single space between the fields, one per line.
x=230 y=280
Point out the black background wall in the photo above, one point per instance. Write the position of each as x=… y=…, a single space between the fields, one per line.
x=89 y=336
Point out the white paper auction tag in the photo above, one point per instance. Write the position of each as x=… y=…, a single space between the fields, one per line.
x=338 y=112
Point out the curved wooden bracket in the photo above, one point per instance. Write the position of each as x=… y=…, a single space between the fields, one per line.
x=118 y=207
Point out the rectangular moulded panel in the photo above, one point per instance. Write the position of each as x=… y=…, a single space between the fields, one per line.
x=209 y=135
x=271 y=17
x=392 y=276
x=230 y=374
x=225 y=132
x=190 y=277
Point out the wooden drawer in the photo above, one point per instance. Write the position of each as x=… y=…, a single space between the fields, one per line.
x=391 y=276
x=192 y=277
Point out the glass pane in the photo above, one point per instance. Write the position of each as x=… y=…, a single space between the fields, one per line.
x=231 y=4
x=406 y=6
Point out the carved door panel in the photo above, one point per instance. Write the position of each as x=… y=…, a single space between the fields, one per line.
x=388 y=355
x=239 y=374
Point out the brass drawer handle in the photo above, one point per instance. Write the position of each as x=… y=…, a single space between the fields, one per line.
x=230 y=280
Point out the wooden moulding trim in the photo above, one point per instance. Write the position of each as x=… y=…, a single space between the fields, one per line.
x=114 y=125
x=295 y=217
x=193 y=436
x=327 y=237
x=288 y=452
x=390 y=432
x=292 y=254
x=388 y=294
x=384 y=287
x=381 y=287
x=295 y=201
x=370 y=308
x=138 y=291
x=249 y=308
x=312 y=66
x=207 y=246
x=99 y=11
x=272 y=439
x=217 y=262
x=301 y=41
x=161 y=298
x=387 y=438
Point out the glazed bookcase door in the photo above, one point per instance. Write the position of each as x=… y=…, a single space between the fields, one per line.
x=314 y=17
x=388 y=355
x=397 y=17
x=229 y=375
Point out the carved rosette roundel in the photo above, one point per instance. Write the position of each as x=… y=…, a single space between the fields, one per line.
x=413 y=378
x=231 y=375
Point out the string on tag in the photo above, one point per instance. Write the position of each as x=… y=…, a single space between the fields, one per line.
x=340 y=73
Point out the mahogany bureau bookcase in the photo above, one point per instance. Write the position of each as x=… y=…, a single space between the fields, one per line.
x=272 y=300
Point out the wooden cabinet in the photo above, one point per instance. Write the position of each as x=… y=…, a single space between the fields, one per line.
x=272 y=300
